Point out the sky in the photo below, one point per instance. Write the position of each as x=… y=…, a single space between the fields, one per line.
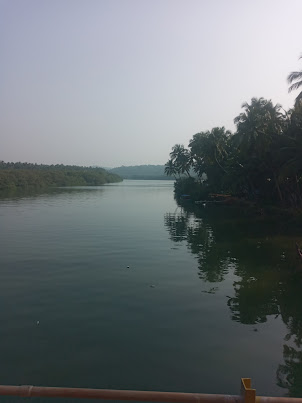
x=119 y=82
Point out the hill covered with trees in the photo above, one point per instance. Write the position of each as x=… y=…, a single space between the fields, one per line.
x=23 y=174
x=141 y=172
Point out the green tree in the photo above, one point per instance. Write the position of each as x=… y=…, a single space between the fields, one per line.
x=181 y=158
x=256 y=138
x=257 y=124
x=170 y=169
x=295 y=79
x=209 y=151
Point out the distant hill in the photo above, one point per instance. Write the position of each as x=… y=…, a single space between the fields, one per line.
x=141 y=172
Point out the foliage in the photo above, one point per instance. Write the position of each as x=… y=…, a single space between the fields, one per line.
x=181 y=159
x=295 y=79
x=260 y=162
x=170 y=169
x=13 y=175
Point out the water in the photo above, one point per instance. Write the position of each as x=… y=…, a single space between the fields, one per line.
x=207 y=298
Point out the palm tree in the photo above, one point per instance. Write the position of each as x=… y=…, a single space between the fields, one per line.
x=210 y=148
x=177 y=150
x=218 y=142
x=257 y=124
x=295 y=79
x=295 y=121
x=258 y=129
x=181 y=157
x=170 y=169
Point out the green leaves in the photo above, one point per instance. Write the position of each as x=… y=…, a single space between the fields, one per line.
x=261 y=161
x=32 y=175
x=297 y=77
x=181 y=159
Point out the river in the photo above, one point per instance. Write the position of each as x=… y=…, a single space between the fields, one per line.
x=119 y=287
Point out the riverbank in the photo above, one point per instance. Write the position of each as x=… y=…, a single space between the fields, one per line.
x=24 y=175
x=256 y=208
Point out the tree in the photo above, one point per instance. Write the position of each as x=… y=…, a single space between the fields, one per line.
x=295 y=79
x=211 y=146
x=170 y=169
x=257 y=124
x=181 y=158
x=259 y=129
x=209 y=151
x=294 y=115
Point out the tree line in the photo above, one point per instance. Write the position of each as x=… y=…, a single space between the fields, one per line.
x=261 y=160
x=24 y=174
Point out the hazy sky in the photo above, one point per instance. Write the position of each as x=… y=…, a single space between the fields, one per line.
x=119 y=82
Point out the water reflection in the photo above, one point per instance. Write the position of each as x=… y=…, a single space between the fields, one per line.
x=289 y=374
x=35 y=193
x=254 y=300
x=177 y=225
x=184 y=225
x=267 y=274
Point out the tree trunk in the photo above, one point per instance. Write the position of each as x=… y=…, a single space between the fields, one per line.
x=277 y=187
x=298 y=189
x=219 y=163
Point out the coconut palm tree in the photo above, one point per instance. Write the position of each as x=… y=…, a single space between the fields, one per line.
x=181 y=158
x=259 y=128
x=170 y=169
x=257 y=124
x=218 y=138
x=210 y=148
x=295 y=79
x=177 y=150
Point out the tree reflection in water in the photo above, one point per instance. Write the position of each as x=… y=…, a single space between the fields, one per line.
x=184 y=225
x=269 y=277
x=289 y=374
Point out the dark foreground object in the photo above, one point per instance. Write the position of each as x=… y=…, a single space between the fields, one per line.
x=247 y=395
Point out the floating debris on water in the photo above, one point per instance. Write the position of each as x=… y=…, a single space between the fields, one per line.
x=211 y=290
x=152 y=286
x=38 y=322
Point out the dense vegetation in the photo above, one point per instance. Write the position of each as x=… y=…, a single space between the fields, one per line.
x=141 y=172
x=19 y=174
x=261 y=161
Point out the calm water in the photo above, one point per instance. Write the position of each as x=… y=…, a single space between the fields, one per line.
x=207 y=298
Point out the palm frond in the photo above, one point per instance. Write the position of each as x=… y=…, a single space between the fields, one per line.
x=295 y=86
x=295 y=75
